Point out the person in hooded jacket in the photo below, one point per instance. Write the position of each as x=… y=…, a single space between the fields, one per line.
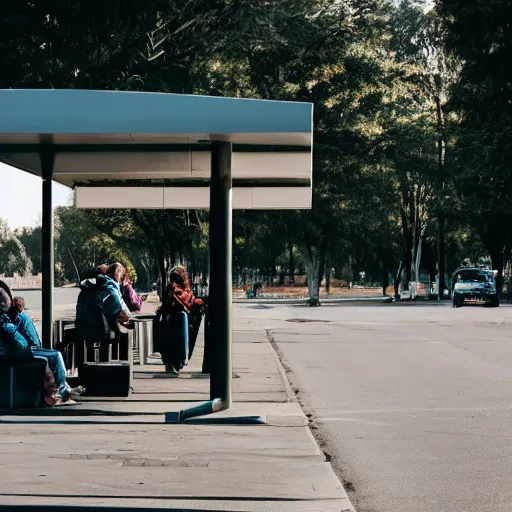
x=99 y=308
x=19 y=342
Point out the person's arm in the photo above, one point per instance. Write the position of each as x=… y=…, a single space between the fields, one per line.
x=111 y=309
x=7 y=329
x=133 y=301
x=16 y=345
x=28 y=330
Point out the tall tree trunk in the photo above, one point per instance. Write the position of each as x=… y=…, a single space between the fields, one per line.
x=328 y=277
x=441 y=155
x=417 y=254
x=408 y=258
x=385 y=278
x=146 y=281
x=321 y=269
x=173 y=257
x=312 y=264
x=408 y=237
x=350 y=270
x=441 y=256
x=163 y=272
x=398 y=278
x=291 y=264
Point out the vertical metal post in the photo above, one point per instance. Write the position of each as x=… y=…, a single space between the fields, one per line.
x=47 y=157
x=220 y=285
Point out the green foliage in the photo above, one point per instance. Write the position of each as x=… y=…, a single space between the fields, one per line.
x=13 y=257
x=479 y=34
x=31 y=240
x=79 y=247
x=396 y=147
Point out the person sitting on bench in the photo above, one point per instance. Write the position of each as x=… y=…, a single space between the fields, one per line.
x=19 y=342
x=130 y=297
x=99 y=309
x=115 y=272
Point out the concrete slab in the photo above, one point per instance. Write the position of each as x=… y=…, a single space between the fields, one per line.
x=130 y=458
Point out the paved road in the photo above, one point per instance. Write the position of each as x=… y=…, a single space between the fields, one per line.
x=414 y=403
x=61 y=297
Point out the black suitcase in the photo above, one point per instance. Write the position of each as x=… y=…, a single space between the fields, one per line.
x=106 y=379
x=21 y=385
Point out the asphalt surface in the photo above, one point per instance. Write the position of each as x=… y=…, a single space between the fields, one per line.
x=61 y=297
x=413 y=403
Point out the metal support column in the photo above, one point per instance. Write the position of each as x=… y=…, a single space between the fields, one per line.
x=220 y=285
x=47 y=157
x=220 y=296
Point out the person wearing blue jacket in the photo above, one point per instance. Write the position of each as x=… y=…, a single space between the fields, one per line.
x=20 y=342
x=99 y=307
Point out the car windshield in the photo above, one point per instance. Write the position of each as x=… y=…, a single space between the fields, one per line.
x=473 y=276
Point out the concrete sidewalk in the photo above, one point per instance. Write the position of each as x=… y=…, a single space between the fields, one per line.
x=128 y=457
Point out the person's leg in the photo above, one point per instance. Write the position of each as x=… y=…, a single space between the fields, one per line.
x=166 y=344
x=57 y=366
x=179 y=340
x=185 y=333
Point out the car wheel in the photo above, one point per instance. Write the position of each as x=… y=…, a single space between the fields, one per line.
x=494 y=302
x=456 y=303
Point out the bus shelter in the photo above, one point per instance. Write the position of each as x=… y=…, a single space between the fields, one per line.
x=155 y=150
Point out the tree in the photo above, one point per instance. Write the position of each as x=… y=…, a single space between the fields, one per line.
x=31 y=240
x=162 y=237
x=80 y=247
x=13 y=257
x=478 y=32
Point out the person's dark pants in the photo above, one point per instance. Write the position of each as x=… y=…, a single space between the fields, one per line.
x=173 y=340
x=57 y=366
x=195 y=317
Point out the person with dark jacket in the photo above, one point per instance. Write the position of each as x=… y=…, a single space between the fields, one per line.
x=172 y=323
x=19 y=342
x=99 y=308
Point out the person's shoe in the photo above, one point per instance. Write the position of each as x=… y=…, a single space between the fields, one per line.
x=66 y=401
x=77 y=392
x=170 y=369
x=53 y=400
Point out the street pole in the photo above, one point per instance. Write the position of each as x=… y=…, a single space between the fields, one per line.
x=220 y=285
x=47 y=157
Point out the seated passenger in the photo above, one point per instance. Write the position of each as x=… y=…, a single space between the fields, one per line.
x=19 y=342
x=27 y=329
x=99 y=308
x=115 y=271
x=130 y=297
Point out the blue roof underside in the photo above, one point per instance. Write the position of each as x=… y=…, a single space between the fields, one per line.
x=111 y=112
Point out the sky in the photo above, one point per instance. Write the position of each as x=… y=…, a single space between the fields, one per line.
x=20 y=197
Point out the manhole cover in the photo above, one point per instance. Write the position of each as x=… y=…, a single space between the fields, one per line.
x=306 y=320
